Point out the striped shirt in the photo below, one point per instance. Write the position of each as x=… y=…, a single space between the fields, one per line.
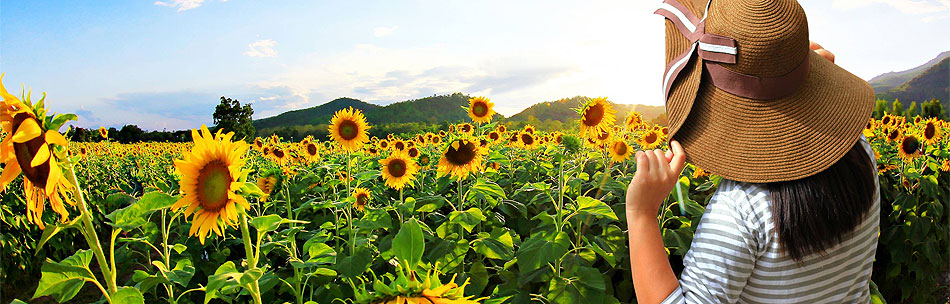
x=735 y=255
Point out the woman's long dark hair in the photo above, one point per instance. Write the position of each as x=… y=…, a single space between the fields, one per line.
x=815 y=213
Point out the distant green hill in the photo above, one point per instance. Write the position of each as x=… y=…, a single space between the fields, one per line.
x=933 y=83
x=312 y=116
x=887 y=81
x=563 y=111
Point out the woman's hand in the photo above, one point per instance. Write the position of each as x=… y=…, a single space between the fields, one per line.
x=657 y=173
x=821 y=51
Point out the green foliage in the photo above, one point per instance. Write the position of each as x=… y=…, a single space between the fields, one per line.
x=231 y=116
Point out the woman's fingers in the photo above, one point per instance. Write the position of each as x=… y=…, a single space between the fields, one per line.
x=814 y=45
x=821 y=51
x=657 y=160
x=643 y=163
x=679 y=157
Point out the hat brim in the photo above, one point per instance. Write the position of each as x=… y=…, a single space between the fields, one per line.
x=775 y=140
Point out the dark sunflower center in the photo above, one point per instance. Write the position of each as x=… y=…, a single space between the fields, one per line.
x=278 y=153
x=400 y=145
x=493 y=136
x=413 y=152
x=383 y=144
x=527 y=139
x=461 y=156
x=910 y=145
x=593 y=115
x=397 y=167
x=361 y=199
x=348 y=130
x=886 y=120
x=214 y=180
x=424 y=160
x=480 y=109
x=620 y=148
x=502 y=129
x=868 y=127
x=312 y=149
x=603 y=136
x=651 y=138
x=893 y=135
x=27 y=150
x=930 y=130
x=466 y=128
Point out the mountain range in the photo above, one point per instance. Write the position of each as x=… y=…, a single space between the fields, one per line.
x=923 y=83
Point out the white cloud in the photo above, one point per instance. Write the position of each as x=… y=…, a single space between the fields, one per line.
x=262 y=48
x=382 y=31
x=182 y=5
x=914 y=7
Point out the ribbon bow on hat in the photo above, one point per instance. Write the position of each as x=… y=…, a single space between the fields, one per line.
x=716 y=49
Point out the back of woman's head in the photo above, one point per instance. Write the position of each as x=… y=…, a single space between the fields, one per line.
x=815 y=213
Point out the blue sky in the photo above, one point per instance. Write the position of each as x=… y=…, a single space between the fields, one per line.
x=164 y=64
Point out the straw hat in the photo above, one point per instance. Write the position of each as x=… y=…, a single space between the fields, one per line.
x=749 y=100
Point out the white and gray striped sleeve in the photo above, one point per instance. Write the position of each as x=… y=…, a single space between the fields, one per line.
x=724 y=250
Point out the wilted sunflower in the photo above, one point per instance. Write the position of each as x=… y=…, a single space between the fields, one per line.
x=527 y=141
x=930 y=131
x=480 y=109
x=596 y=116
x=33 y=146
x=103 y=132
x=620 y=151
x=909 y=148
x=349 y=129
x=650 y=140
x=461 y=157
x=361 y=198
x=398 y=170
x=211 y=173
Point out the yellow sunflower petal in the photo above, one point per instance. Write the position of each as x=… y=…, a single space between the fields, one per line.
x=28 y=130
x=54 y=137
x=42 y=155
x=10 y=172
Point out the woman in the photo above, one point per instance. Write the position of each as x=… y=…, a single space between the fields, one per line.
x=795 y=218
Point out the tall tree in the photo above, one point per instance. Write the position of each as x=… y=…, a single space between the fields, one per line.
x=231 y=116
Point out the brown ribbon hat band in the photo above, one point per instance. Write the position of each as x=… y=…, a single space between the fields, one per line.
x=714 y=49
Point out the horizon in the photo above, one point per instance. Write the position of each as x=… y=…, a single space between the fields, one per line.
x=165 y=64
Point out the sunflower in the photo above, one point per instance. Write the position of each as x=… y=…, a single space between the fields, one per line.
x=348 y=128
x=267 y=185
x=424 y=160
x=382 y=144
x=945 y=165
x=917 y=119
x=886 y=120
x=527 y=140
x=436 y=139
x=361 y=198
x=893 y=135
x=413 y=152
x=442 y=132
x=480 y=109
x=103 y=132
x=421 y=139
x=650 y=140
x=461 y=157
x=494 y=136
x=410 y=287
x=310 y=152
x=633 y=121
x=699 y=172
x=466 y=129
x=33 y=146
x=258 y=143
x=501 y=129
x=398 y=170
x=529 y=129
x=930 y=131
x=909 y=148
x=279 y=155
x=869 y=128
x=596 y=116
x=211 y=173
x=620 y=151
x=398 y=145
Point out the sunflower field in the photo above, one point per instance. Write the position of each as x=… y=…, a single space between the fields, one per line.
x=475 y=213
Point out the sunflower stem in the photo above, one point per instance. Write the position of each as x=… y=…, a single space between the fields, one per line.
x=251 y=259
x=90 y=231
